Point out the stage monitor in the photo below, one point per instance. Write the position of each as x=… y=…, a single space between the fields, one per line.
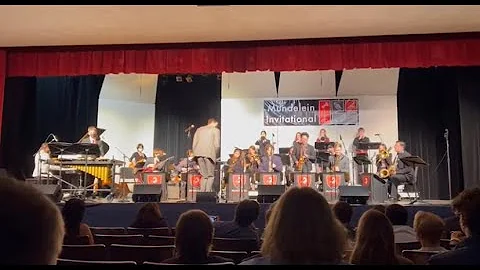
x=147 y=193
x=206 y=197
x=354 y=194
x=269 y=193
x=53 y=192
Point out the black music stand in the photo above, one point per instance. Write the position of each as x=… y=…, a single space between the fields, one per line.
x=323 y=145
x=414 y=162
x=87 y=149
x=362 y=161
x=58 y=149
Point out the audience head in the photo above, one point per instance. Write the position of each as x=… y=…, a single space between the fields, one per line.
x=32 y=228
x=246 y=212
x=193 y=236
x=73 y=212
x=268 y=213
x=303 y=230
x=343 y=211
x=149 y=214
x=380 y=207
x=375 y=243
x=397 y=214
x=429 y=228
x=467 y=207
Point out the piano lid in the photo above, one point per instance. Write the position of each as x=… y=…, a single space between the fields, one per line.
x=100 y=131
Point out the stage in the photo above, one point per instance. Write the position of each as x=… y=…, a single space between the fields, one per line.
x=118 y=214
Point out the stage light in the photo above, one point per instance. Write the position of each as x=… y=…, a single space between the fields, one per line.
x=178 y=78
x=189 y=78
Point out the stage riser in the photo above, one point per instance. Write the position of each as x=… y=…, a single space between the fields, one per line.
x=119 y=214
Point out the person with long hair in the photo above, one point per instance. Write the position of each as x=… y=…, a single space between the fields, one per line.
x=375 y=243
x=150 y=216
x=73 y=212
x=301 y=230
x=193 y=240
x=41 y=158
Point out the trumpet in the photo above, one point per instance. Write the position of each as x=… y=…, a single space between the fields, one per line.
x=383 y=154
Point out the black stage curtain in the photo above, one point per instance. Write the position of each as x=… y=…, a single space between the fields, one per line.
x=427 y=105
x=17 y=146
x=469 y=100
x=180 y=104
x=36 y=107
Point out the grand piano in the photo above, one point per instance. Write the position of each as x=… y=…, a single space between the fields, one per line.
x=83 y=157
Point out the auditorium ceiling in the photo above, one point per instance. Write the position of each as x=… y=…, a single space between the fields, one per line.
x=92 y=25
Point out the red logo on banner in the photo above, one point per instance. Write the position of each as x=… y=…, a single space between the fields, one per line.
x=154 y=179
x=195 y=180
x=324 y=112
x=269 y=179
x=366 y=181
x=304 y=180
x=351 y=106
x=237 y=180
x=333 y=181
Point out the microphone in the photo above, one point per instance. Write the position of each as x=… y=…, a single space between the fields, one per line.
x=377 y=134
x=341 y=138
x=273 y=134
x=189 y=128
x=446 y=133
x=54 y=137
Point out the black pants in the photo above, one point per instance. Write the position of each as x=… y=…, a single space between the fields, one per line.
x=393 y=182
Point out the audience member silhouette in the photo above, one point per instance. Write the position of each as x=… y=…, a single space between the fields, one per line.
x=149 y=216
x=73 y=212
x=242 y=227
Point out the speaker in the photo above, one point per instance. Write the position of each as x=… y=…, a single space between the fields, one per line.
x=269 y=193
x=354 y=194
x=206 y=197
x=147 y=193
x=54 y=192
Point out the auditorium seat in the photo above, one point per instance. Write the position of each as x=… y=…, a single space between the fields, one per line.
x=140 y=254
x=165 y=231
x=158 y=264
x=107 y=240
x=347 y=254
x=407 y=246
x=173 y=231
x=233 y=244
x=236 y=256
x=445 y=243
x=80 y=262
x=95 y=252
x=108 y=230
x=77 y=240
x=418 y=257
x=155 y=240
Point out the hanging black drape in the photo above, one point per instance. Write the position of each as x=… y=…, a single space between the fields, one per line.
x=180 y=104
x=427 y=105
x=36 y=107
x=18 y=126
x=468 y=79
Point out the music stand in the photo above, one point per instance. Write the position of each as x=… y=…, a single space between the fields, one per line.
x=414 y=162
x=58 y=149
x=86 y=149
x=323 y=145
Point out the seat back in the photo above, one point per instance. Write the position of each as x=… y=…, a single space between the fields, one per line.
x=165 y=231
x=80 y=262
x=108 y=240
x=407 y=246
x=418 y=257
x=222 y=263
x=445 y=243
x=236 y=256
x=140 y=254
x=233 y=244
x=108 y=230
x=155 y=240
x=84 y=252
x=76 y=240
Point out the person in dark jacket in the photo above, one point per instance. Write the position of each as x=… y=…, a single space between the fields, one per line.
x=149 y=216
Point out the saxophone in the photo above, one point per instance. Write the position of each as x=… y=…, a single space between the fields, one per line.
x=301 y=162
x=231 y=166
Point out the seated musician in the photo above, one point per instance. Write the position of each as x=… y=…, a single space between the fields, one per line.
x=402 y=174
x=252 y=162
x=339 y=161
x=187 y=163
x=158 y=156
x=383 y=159
x=138 y=159
x=94 y=138
x=322 y=136
x=235 y=164
x=270 y=162
x=41 y=158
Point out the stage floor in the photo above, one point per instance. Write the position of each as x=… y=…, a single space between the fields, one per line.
x=101 y=213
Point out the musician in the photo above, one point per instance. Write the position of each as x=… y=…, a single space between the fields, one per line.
x=339 y=162
x=236 y=162
x=262 y=142
x=361 y=138
x=298 y=139
x=270 y=162
x=158 y=156
x=303 y=151
x=383 y=163
x=322 y=136
x=403 y=173
x=40 y=159
x=138 y=158
x=252 y=160
x=206 y=146
x=187 y=163
x=95 y=139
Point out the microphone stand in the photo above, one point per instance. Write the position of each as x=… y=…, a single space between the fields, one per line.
x=122 y=178
x=445 y=135
x=352 y=161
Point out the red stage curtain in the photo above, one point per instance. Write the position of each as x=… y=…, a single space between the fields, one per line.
x=3 y=73
x=241 y=57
